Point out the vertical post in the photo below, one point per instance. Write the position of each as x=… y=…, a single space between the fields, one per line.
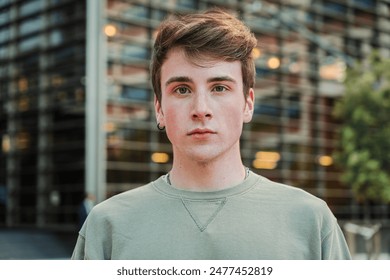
x=95 y=178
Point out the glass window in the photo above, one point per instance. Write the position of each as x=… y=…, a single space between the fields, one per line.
x=271 y=106
x=365 y=3
x=134 y=93
x=4 y=16
x=56 y=37
x=26 y=103
x=28 y=82
x=30 y=43
x=3 y=2
x=4 y=34
x=121 y=154
x=57 y=17
x=3 y=91
x=331 y=7
x=4 y=54
x=264 y=23
x=125 y=112
x=63 y=15
x=136 y=73
x=54 y=2
x=64 y=54
x=262 y=71
x=133 y=134
x=127 y=177
x=159 y=14
x=3 y=71
x=136 y=33
x=29 y=7
x=113 y=50
x=137 y=52
x=135 y=11
x=189 y=4
x=27 y=63
x=30 y=25
x=312 y=18
x=267 y=106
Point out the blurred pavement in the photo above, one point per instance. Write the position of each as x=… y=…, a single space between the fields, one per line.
x=35 y=244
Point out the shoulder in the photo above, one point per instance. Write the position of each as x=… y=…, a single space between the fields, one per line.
x=287 y=192
x=118 y=210
x=125 y=200
x=305 y=210
x=131 y=203
x=293 y=199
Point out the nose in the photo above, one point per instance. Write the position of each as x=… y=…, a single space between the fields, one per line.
x=201 y=107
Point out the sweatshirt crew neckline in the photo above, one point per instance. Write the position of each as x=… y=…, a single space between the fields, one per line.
x=162 y=186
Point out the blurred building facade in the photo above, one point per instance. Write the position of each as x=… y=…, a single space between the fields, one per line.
x=42 y=110
x=76 y=106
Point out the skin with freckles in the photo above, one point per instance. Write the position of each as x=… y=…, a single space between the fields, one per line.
x=203 y=109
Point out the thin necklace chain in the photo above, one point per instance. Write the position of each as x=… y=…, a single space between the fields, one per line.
x=246 y=175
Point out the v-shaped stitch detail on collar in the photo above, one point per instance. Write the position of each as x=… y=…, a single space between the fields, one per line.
x=203 y=212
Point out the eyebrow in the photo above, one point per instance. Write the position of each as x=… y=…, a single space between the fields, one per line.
x=221 y=79
x=185 y=79
x=178 y=79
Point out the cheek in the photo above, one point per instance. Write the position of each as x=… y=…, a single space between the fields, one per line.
x=234 y=115
x=173 y=119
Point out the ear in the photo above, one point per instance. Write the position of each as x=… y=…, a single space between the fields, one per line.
x=249 y=106
x=159 y=112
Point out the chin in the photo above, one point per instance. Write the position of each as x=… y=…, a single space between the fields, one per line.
x=205 y=157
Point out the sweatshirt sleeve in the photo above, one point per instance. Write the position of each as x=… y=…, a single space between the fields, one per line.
x=94 y=240
x=78 y=252
x=334 y=246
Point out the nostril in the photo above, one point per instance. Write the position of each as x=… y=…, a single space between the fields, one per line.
x=202 y=116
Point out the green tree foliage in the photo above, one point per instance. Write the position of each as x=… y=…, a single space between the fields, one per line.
x=364 y=142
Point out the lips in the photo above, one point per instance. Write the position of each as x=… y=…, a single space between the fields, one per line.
x=201 y=132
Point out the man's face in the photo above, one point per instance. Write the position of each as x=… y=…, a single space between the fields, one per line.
x=203 y=108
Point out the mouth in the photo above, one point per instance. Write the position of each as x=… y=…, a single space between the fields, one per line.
x=201 y=132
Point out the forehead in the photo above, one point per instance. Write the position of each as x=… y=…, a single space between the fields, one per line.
x=178 y=63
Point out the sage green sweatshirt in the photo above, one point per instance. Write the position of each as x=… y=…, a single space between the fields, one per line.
x=257 y=219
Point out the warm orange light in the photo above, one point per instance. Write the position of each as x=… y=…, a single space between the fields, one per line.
x=109 y=127
x=256 y=53
x=23 y=104
x=268 y=156
x=23 y=140
x=6 y=144
x=23 y=84
x=110 y=30
x=260 y=164
x=57 y=80
x=273 y=62
x=114 y=141
x=335 y=71
x=325 y=160
x=160 y=157
x=266 y=160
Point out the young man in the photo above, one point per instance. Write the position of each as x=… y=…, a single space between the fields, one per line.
x=209 y=206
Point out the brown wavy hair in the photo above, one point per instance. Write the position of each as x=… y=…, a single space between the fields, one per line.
x=213 y=34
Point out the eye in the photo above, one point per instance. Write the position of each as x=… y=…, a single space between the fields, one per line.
x=219 y=88
x=182 y=90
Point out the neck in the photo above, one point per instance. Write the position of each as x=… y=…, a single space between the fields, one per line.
x=207 y=176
